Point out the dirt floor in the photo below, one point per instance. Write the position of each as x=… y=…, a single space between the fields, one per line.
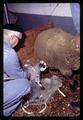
x=58 y=105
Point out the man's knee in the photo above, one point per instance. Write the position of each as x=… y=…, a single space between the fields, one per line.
x=13 y=93
x=18 y=87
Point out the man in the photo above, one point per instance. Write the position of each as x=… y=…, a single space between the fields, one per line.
x=15 y=84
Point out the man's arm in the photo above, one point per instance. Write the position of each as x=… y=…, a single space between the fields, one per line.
x=12 y=66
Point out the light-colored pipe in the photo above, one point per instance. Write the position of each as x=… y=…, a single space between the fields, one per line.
x=6 y=13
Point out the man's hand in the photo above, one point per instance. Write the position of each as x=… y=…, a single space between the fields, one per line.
x=33 y=73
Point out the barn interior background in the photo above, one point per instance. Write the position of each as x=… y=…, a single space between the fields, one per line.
x=34 y=18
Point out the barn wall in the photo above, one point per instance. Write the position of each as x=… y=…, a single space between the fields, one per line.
x=31 y=15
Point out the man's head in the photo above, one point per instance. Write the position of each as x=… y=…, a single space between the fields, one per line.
x=12 y=33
